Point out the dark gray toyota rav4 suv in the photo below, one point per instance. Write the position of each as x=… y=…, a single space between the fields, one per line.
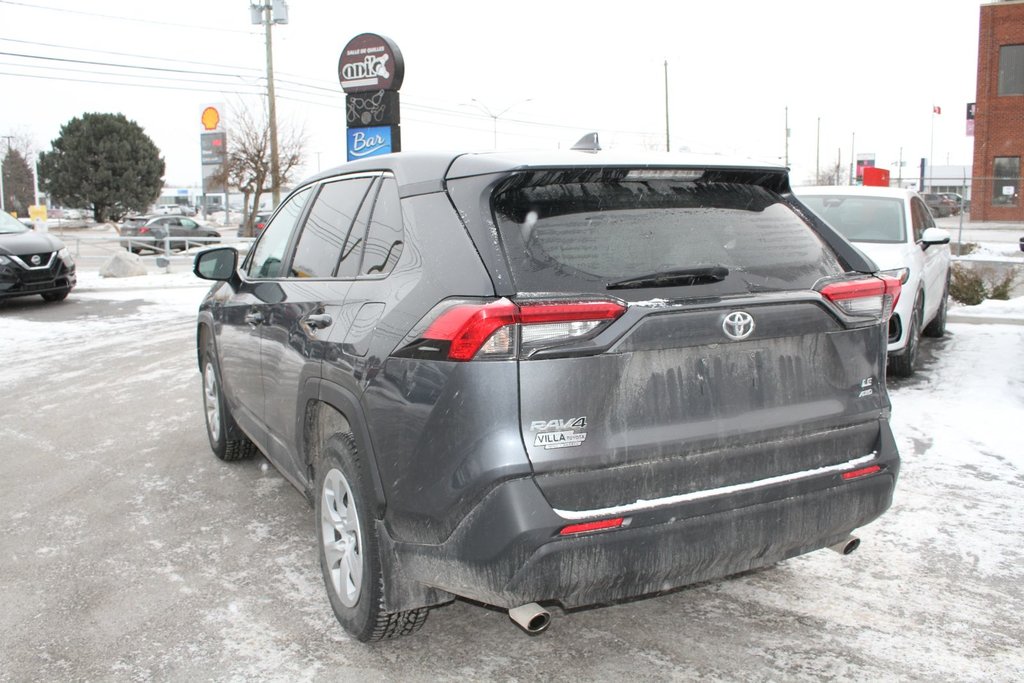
x=572 y=379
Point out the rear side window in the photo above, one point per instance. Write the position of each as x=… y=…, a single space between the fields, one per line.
x=384 y=239
x=583 y=236
x=862 y=219
x=327 y=238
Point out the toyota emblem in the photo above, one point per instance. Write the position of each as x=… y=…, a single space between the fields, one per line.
x=36 y=260
x=738 y=325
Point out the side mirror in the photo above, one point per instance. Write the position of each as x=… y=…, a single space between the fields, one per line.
x=220 y=264
x=933 y=236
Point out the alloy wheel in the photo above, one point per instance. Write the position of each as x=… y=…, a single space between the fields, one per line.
x=341 y=537
x=211 y=399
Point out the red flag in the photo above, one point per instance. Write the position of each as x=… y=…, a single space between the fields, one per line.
x=936 y=109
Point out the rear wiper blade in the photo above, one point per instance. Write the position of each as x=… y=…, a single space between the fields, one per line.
x=674 y=278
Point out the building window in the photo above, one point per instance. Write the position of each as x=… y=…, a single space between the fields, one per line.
x=1011 y=70
x=1006 y=183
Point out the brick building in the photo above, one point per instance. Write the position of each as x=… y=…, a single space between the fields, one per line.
x=999 y=115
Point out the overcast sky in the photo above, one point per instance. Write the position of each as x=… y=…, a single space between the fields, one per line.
x=871 y=71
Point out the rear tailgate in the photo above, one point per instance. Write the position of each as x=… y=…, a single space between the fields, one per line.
x=728 y=368
x=675 y=407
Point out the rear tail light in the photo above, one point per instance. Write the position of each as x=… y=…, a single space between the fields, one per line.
x=143 y=230
x=463 y=330
x=872 y=297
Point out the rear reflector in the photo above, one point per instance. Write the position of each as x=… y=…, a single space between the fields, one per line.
x=862 y=472
x=494 y=329
x=591 y=526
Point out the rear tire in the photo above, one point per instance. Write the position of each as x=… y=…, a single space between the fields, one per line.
x=347 y=542
x=904 y=364
x=226 y=440
x=937 y=327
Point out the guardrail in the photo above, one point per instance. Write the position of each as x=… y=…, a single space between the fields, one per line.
x=102 y=246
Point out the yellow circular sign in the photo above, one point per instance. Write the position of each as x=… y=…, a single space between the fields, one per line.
x=210 y=118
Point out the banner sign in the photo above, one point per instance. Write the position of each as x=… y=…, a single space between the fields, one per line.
x=371 y=142
x=370 y=63
x=971 y=108
x=864 y=161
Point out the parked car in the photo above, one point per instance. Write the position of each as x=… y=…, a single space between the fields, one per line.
x=956 y=201
x=169 y=210
x=33 y=263
x=259 y=221
x=151 y=236
x=530 y=378
x=895 y=228
x=939 y=206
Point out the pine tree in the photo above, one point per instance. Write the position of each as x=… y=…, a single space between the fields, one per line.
x=19 y=190
x=104 y=162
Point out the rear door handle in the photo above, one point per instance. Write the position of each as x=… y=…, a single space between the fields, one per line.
x=318 y=321
x=254 y=318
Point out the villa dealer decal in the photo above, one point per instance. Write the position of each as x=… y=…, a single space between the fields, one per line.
x=559 y=433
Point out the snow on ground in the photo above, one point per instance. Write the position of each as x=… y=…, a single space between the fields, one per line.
x=1011 y=310
x=933 y=594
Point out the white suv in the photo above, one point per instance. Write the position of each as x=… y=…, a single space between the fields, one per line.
x=895 y=228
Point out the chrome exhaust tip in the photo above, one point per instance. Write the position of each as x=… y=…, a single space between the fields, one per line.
x=846 y=546
x=531 y=617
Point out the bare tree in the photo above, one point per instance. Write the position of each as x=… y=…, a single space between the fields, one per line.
x=830 y=175
x=248 y=158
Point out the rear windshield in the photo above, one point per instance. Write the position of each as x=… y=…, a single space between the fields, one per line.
x=587 y=235
x=861 y=219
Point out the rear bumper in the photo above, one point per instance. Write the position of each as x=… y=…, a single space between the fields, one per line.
x=508 y=551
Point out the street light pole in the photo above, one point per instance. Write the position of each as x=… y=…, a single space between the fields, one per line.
x=485 y=109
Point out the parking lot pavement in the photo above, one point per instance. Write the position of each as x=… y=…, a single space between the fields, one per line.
x=128 y=552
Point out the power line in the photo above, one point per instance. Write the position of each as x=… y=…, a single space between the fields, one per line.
x=129 y=54
x=64 y=10
x=119 y=66
x=127 y=85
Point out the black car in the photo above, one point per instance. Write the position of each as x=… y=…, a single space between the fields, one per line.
x=160 y=232
x=33 y=263
x=573 y=379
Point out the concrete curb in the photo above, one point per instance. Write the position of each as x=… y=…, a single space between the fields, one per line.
x=983 y=320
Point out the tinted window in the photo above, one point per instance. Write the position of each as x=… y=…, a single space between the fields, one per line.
x=327 y=237
x=1011 y=70
x=384 y=238
x=1005 y=187
x=921 y=217
x=861 y=219
x=581 y=236
x=269 y=249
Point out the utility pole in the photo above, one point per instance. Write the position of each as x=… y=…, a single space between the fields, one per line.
x=853 y=140
x=668 y=144
x=817 y=156
x=268 y=14
x=787 y=137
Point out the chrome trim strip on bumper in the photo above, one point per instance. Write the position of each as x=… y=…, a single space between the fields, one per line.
x=642 y=505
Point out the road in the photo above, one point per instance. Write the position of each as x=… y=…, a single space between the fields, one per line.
x=128 y=552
